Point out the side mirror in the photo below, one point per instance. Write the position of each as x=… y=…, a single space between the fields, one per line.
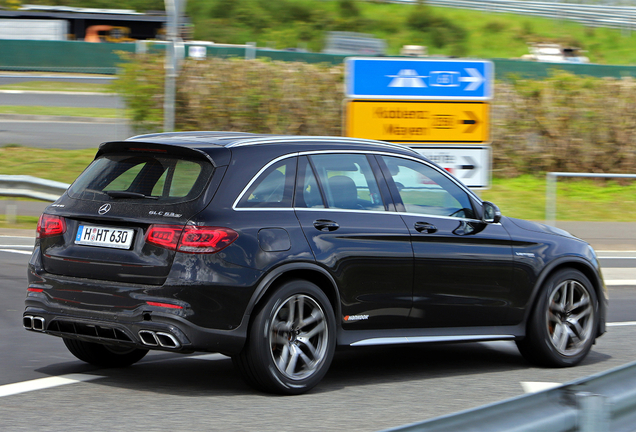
x=492 y=214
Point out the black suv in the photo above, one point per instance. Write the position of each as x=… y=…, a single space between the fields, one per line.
x=276 y=249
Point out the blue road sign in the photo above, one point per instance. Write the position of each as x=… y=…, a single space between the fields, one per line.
x=431 y=79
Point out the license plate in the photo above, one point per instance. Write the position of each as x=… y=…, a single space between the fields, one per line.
x=119 y=238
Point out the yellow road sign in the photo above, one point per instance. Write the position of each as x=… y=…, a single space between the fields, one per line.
x=418 y=121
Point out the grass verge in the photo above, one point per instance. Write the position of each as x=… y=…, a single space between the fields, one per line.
x=590 y=200
x=58 y=86
x=22 y=222
x=62 y=111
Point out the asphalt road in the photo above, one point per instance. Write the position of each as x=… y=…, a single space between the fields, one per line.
x=62 y=134
x=70 y=99
x=59 y=131
x=365 y=389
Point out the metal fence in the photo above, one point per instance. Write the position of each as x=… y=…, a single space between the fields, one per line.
x=611 y=14
x=26 y=186
x=605 y=402
x=551 y=190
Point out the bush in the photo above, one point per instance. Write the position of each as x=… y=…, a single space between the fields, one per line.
x=563 y=123
x=236 y=95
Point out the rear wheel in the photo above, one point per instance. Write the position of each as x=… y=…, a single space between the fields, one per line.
x=104 y=355
x=562 y=327
x=291 y=340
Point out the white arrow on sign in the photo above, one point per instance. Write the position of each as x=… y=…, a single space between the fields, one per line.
x=475 y=79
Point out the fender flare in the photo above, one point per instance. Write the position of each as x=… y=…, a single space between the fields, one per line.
x=271 y=277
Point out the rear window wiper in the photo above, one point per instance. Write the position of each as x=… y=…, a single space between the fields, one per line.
x=126 y=194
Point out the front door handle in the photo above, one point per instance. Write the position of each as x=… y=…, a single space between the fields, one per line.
x=325 y=225
x=425 y=227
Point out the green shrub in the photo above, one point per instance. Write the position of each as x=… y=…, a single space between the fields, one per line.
x=563 y=123
x=236 y=95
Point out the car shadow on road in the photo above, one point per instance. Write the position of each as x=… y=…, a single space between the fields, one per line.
x=429 y=361
x=214 y=375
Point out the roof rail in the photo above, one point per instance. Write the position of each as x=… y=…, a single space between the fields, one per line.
x=274 y=138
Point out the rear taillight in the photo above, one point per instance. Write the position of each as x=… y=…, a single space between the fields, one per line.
x=191 y=239
x=166 y=236
x=49 y=226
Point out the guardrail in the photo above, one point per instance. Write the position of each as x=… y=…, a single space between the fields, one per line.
x=551 y=190
x=605 y=402
x=594 y=15
x=26 y=186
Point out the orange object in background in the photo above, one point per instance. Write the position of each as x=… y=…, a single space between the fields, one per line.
x=92 y=33
x=114 y=34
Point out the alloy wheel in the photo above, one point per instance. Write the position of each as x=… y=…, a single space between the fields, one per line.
x=298 y=337
x=570 y=317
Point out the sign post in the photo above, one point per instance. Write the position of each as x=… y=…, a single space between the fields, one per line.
x=174 y=52
x=440 y=107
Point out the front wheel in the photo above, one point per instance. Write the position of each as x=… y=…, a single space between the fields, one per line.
x=104 y=355
x=562 y=327
x=291 y=340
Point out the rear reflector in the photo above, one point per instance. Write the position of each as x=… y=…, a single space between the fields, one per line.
x=164 y=305
x=191 y=239
x=148 y=149
x=35 y=290
x=49 y=226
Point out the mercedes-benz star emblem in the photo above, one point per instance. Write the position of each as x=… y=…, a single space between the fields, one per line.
x=104 y=209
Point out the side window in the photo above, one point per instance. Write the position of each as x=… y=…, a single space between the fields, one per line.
x=347 y=181
x=307 y=190
x=424 y=190
x=273 y=188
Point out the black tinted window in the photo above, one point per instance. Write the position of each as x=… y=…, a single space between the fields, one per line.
x=272 y=188
x=307 y=190
x=162 y=178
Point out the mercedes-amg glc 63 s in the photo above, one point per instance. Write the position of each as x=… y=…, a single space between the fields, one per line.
x=276 y=250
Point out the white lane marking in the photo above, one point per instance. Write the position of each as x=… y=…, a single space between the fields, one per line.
x=617 y=258
x=533 y=387
x=618 y=282
x=16 y=246
x=46 y=92
x=44 y=383
x=615 y=251
x=621 y=324
x=23 y=252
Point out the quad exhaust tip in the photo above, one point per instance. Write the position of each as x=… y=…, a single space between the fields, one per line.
x=33 y=323
x=162 y=339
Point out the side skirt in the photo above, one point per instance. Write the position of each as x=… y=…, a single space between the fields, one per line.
x=430 y=335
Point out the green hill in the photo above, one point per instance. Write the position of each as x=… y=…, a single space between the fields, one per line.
x=302 y=23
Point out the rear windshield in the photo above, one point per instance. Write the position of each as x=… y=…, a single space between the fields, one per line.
x=166 y=179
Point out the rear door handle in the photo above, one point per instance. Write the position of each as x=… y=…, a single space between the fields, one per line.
x=425 y=227
x=325 y=225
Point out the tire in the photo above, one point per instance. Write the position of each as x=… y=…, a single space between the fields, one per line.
x=562 y=327
x=109 y=356
x=291 y=341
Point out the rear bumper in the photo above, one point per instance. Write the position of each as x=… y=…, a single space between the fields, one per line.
x=177 y=318
x=157 y=332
